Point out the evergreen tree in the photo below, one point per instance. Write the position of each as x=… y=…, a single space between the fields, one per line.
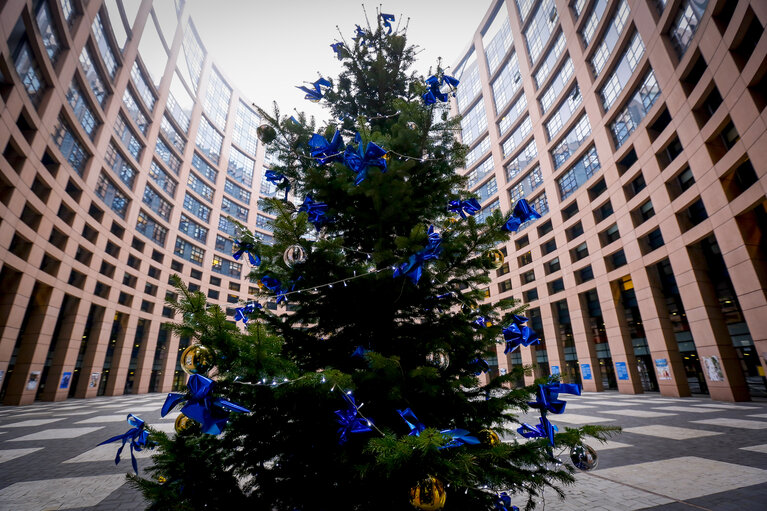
x=359 y=327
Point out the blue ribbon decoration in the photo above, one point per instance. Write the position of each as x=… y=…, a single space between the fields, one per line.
x=211 y=412
x=482 y=366
x=517 y=334
x=337 y=48
x=387 y=19
x=413 y=268
x=521 y=214
x=361 y=36
x=316 y=211
x=364 y=156
x=325 y=151
x=350 y=422
x=359 y=352
x=480 y=322
x=504 y=503
x=137 y=436
x=250 y=249
x=279 y=180
x=459 y=437
x=544 y=429
x=243 y=313
x=434 y=93
x=548 y=396
x=315 y=95
x=276 y=287
x=464 y=207
x=416 y=426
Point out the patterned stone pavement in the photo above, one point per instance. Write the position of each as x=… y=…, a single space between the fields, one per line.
x=674 y=454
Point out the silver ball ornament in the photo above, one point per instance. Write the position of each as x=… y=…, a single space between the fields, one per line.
x=439 y=359
x=584 y=457
x=294 y=254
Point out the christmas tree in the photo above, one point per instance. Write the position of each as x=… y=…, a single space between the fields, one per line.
x=363 y=386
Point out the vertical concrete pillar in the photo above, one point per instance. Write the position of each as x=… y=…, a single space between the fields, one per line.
x=619 y=339
x=554 y=349
x=721 y=366
x=672 y=380
x=146 y=358
x=121 y=353
x=169 y=366
x=93 y=359
x=584 y=345
x=529 y=360
x=65 y=353
x=14 y=300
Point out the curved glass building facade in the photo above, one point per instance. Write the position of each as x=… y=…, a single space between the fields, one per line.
x=124 y=150
x=637 y=129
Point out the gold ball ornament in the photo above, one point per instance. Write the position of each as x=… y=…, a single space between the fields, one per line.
x=182 y=423
x=489 y=438
x=387 y=157
x=428 y=494
x=161 y=479
x=266 y=133
x=196 y=359
x=294 y=254
x=494 y=258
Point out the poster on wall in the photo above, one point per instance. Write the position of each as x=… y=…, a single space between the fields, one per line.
x=622 y=370
x=34 y=379
x=586 y=371
x=661 y=369
x=554 y=369
x=65 y=379
x=2 y=373
x=94 y=381
x=713 y=368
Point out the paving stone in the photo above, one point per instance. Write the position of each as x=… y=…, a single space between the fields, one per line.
x=734 y=423
x=66 y=493
x=673 y=432
x=54 y=434
x=12 y=454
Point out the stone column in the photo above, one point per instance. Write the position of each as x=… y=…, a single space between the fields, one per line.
x=14 y=300
x=584 y=344
x=67 y=347
x=146 y=356
x=554 y=349
x=95 y=351
x=619 y=338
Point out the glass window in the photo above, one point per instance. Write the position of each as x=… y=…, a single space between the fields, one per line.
x=579 y=173
x=610 y=39
x=173 y=136
x=163 y=180
x=93 y=76
x=129 y=100
x=686 y=24
x=500 y=43
x=474 y=123
x=517 y=109
x=508 y=82
x=476 y=175
x=167 y=156
x=522 y=160
x=587 y=33
x=156 y=203
x=71 y=148
x=83 y=112
x=116 y=23
x=267 y=189
x=636 y=109
x=623 y=71
x=264 y=222
x=235 y=210
x=151 y=47
x=246 y=123
x=217 y=98
x=209 y=140
x=478 y=151
x=572 y=141
x=199 y=186
x=48 y=31
x=526 y=185
x=524 y=7
x=196 y=207
x=487 y=190
x=153 y=230
x=226 y=225
x=194 y=55
x=117 y=163
x=487 y=210
x=29 y=72
x=187 y=251
x=470 y=85
x=193 y=229
x=111 y=195
x=239 y=193
x=224 y=244
x=547 y=66
x=565 y=111
x=180 y=102
x=241 y=167
x=208 y=172
x=126 y=135
x=104 y=46
x=540 y=28
x=142 y=86
x=557 y=85
x=226 y=267
x=577 y=6
x=67 y=9
x=517 y=137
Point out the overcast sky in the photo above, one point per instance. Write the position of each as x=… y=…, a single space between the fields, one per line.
x=267 y=47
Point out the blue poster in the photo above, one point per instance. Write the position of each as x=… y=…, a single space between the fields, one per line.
x=622 y=370
x=554 y=369
x=65 y=380
x=586 y=371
